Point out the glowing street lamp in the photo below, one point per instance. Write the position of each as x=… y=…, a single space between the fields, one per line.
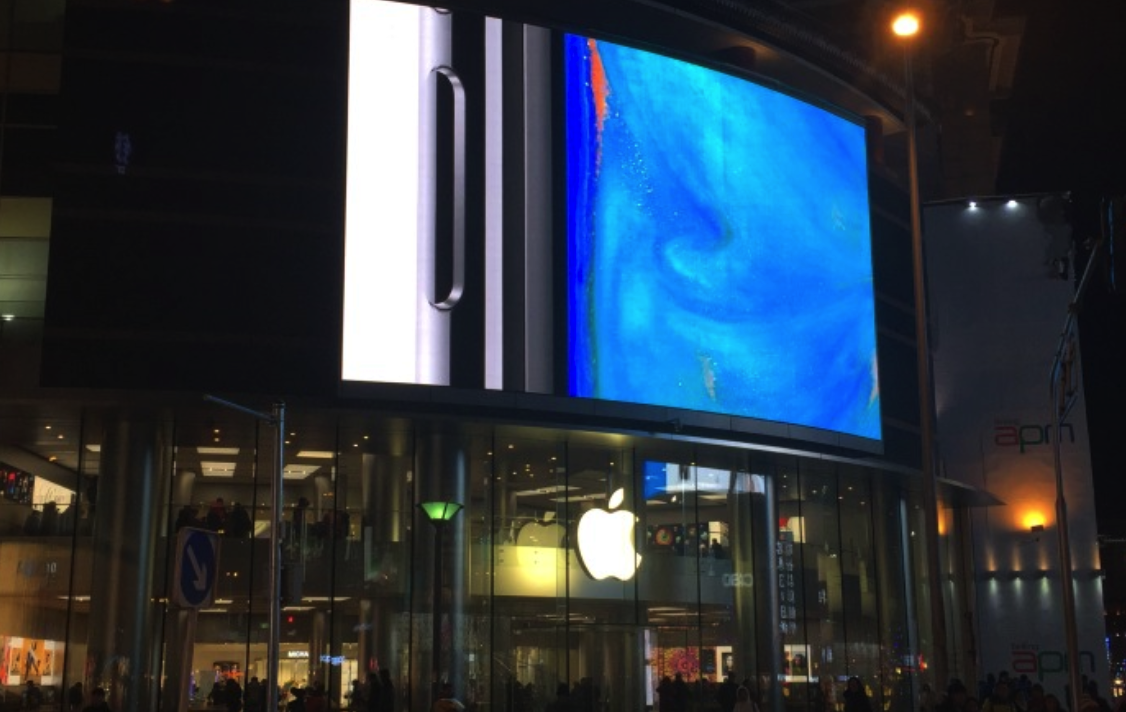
x=906 y=24
x=440 y=515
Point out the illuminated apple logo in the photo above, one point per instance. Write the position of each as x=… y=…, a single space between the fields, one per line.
x=606 y=542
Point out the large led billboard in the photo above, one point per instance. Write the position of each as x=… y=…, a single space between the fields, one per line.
x=718 y=244
x=541 y=212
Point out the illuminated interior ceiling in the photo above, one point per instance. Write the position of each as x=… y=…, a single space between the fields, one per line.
x=25 y=230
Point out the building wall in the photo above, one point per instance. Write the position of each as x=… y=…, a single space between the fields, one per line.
x=197 y=177
x=998 y=301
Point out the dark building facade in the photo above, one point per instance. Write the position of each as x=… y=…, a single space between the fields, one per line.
x=186 y=163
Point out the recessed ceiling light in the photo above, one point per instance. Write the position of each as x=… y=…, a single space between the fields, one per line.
x=299 y=472
x=217 y=469
x=316 y=454
x=580 y=498
x=544 y=490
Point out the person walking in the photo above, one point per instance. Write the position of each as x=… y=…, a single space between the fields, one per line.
x=97 y=701
x=386 y=696
x=743 y=701
x=1001 y=699
x=856 y=697
x=75 y=697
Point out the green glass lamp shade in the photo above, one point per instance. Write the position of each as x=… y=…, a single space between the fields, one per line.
x=440 y=512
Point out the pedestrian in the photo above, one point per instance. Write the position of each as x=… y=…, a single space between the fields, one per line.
x=1001 y=699
x=75 y=697
x=743 y=701
x=316 y=701
x=727 y=693
x=1052 y=704
x=298 y=703
x=232 y=693
x=253 y=696
x=357 y=700
x=955 y=700
x=446 y=701
x=562 y=701
x=666 y=695
x=371 y=698
x=386 y=695
x=33 y=696
x=856 y=697
x=97 y=701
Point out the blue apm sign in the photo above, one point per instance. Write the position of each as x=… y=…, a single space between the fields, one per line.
x=197 y=563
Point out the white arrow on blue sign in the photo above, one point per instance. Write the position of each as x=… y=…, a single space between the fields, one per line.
x=197 y=562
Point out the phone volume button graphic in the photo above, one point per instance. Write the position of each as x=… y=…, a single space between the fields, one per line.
x=448 y=278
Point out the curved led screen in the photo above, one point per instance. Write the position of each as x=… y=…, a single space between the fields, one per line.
x=716 y=252
x=718 y=244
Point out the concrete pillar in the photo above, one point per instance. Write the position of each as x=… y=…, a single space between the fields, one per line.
x=765 y=649
x=123 y=636
x=385 y=477
x=318 y=648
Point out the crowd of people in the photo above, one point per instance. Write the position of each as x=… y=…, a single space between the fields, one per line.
x=228 y=694
x=1003 y=693
x=377 y=694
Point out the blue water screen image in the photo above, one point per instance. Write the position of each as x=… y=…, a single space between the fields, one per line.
x=718 y=245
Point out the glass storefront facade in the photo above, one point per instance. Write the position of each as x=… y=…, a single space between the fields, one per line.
x=790 y=565
x=792 y=571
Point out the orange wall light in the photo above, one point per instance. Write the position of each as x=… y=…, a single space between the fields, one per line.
x=1033 y=518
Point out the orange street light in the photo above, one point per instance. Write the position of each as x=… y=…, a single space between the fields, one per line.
x=905 y=24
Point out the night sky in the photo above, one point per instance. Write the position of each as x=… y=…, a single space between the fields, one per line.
x=1066 y=130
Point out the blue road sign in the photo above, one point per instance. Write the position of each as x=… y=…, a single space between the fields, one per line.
x=197 y=562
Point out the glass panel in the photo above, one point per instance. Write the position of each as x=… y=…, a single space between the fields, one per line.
x=219 y=485
x=532 y=565
x=38 y=25
x=41 y=503
x=32 y=73
x=858 y=559
x=365 y=564
x=603 y=648
x=819 y=657
x=792 y=574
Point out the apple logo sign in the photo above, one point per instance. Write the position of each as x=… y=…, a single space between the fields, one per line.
x=606 y=541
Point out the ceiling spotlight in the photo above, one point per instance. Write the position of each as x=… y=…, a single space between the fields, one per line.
x=973 y=205
x=1011 y=204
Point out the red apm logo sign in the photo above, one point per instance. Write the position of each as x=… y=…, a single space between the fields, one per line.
x=1024 y=436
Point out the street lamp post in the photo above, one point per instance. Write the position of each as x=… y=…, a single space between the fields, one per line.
x=906 y=26
x=276 y=418
x=440 y=514
x=1064 y=394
